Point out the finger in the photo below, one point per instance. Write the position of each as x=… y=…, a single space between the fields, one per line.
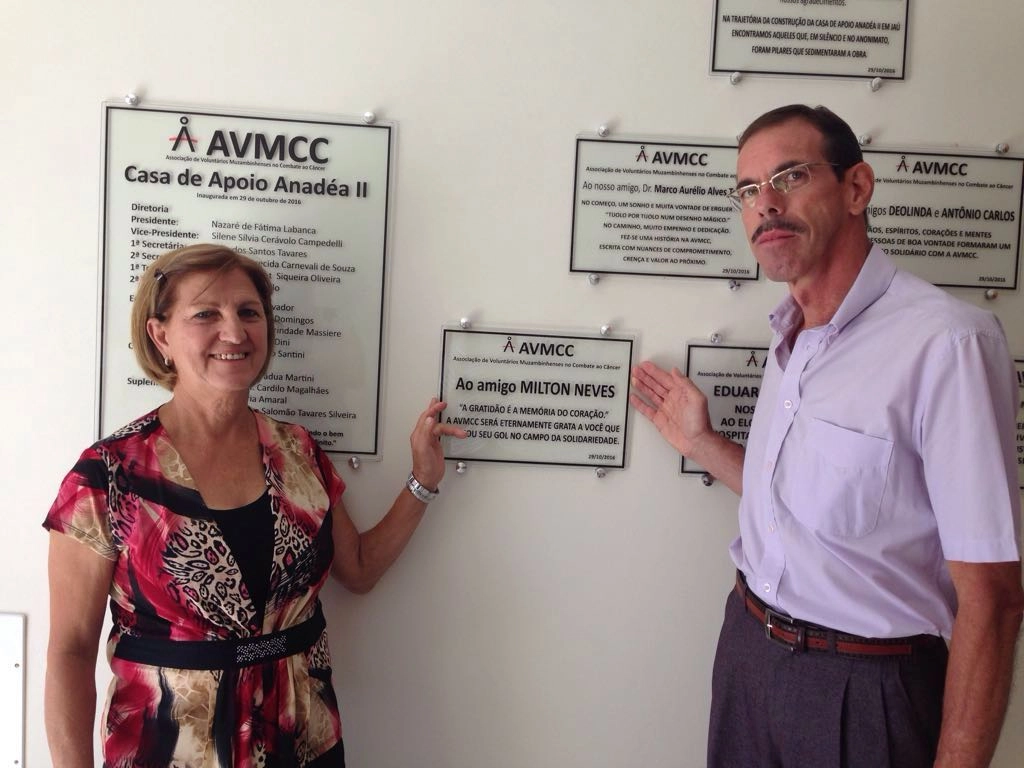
x=642 y=372
x=648 y=388
x=659 y=375
x=655 y=379
x=423 y=434
x=641 y=406
x=640 y=389
x=433 y=409
x=435 y=430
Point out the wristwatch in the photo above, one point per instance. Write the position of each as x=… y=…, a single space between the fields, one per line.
x=420 y=491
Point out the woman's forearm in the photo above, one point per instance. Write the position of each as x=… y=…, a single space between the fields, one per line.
x=70 y=708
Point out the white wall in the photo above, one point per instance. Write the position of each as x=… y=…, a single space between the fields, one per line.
x=541 y=616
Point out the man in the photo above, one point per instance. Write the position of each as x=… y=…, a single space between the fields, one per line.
x=879 y=510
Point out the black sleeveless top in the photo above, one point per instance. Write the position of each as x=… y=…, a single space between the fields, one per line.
x=249 y=532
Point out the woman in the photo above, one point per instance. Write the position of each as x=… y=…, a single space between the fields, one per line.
x=212 y=528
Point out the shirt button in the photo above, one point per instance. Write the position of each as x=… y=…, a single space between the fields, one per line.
x=771 y=528
x=767 y=587
x=788 y=403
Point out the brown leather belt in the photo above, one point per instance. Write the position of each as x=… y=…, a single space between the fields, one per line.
x=801 y=636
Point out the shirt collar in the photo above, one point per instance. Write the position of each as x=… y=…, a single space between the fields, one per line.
x=873 y=280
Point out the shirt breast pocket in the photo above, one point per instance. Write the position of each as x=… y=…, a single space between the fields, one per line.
x=837 y=486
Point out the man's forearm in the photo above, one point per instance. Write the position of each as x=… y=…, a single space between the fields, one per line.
x=722 y=458
x=978 y=679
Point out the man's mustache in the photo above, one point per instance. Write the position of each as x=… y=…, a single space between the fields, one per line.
x=768 y=226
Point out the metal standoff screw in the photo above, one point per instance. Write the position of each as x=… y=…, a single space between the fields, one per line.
x=131 y=99
x=602 y=131
x=1002 y=148
x=606 y=329
x=876 y=83
x=707 y=479
x=600 y=472
x=369 y=118
x=715 y=338
x=991 y=294
x=460 y=467
x=593 y=278
x=735 y=78
x=465 y=322
x=864 y=139
x=354 y=462
x=735 y=285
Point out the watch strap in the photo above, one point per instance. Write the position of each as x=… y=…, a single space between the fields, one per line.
x=420 y=491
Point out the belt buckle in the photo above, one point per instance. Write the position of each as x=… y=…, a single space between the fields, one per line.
x=783 y=624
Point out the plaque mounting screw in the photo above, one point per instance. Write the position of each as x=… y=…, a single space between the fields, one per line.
x=991 y=294
x=603 y=131
x=131 y=99
x=1002 y=148
x=593 y=278
x=735 y=285
x=600 y=472
x=460 y=467
x=735 y=78
x=369 y=118
x=606 y=329
x=354 y=462
x=864 y=139
x=707 y=479
x=465 y=322
x=876 y=83
x=715 y=338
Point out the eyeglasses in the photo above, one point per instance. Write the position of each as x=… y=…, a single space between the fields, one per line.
x=783 y=182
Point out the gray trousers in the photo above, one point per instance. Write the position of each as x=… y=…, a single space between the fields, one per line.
x=773 y=708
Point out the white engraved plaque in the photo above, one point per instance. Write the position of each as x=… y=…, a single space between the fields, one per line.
x=950 y=219
x=730 y=378
x=657 y=208
x=836 y=38
x=308 y=198
x=536 y=398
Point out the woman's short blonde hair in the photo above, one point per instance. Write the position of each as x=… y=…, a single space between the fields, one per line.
x=156 y=294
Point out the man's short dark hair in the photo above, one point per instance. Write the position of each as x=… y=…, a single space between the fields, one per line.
x=839 y=144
